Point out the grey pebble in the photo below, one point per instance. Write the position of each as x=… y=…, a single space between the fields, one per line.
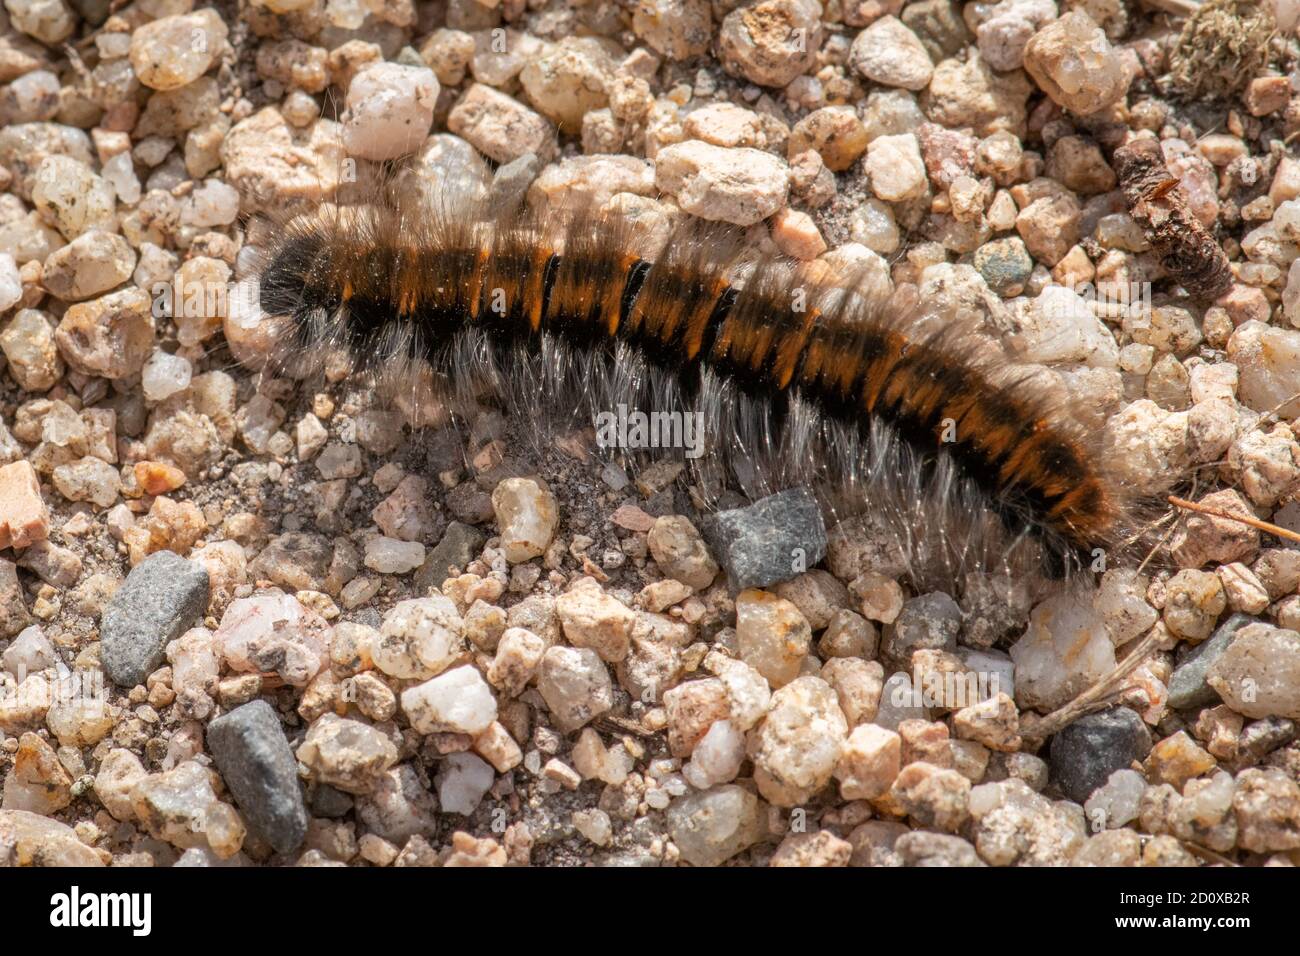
x=460 y=545
x=930 y=622
x=159 y=600
x=1086 y=753
x=773 y=540
x=512 y=181
x=1187 y=685
x=328 y=802
x=253 y=755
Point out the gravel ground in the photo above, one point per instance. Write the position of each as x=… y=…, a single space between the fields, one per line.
x=244 y=621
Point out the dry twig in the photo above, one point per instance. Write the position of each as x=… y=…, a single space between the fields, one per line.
x=1264 y=526
x=1099 y=694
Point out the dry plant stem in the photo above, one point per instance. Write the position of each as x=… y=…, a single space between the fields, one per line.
x=1099 y=693
x=1205 y=853
x=1217 y=513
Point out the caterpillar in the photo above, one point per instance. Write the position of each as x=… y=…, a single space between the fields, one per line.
x=956 y=459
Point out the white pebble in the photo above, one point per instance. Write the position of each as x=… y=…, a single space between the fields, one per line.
x=459 y=701
x=164 y=375
x=389 y=110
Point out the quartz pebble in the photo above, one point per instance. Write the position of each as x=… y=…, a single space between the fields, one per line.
x=797 y=745
x=28 y=653
x=24 y=517
x=890 y=54
x=1116 y=802
x=1008 y=27
x=568 y=80
x=771 y=42
x=37 y=840
x=1066 y=650
x=88 y=479
x=1268 y=362
x=593 y=619
x=1072 y=61
x=741 y=186
x=181 y=807
x=347 y=754
x=164 y=375
x=1258 y=673
x=458 y=701
x=835 y=132
x=393 y=556
x=93 y=263
x=389 y=110
x=869 y=762
x=173 y=51
x=273 y=631
x=462 y=780
x=970 y=93
x=772 y=636
x=1266 y=803
x=500 y=127
x=896 y=168
x=680 y=552
x=526 y=515
x=419 y=638
x=119 y=772
x=211 y=203
x=72 y=197
x=36 y=782
x=11 y=283
x=399 y=806
x=819 y=849
x=575 y=685
x=1194 y=600
x=717 y=756
x=677 y=29
x=711 y=827
x=264 y=156
x=49 y=22
x=110 y=337
x=1014 y=825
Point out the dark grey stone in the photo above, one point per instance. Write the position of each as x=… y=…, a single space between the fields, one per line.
x=1086 y=753
x=460 y=545
x=773 y=540
x=928 y=622
x=159 y=600
x=328 y=802
x=1187 y=685
x=250 y=750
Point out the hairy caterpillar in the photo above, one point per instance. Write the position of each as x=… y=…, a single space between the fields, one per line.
x=959 y=461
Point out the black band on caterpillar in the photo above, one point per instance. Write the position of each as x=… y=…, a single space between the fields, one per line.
x=965 y=464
